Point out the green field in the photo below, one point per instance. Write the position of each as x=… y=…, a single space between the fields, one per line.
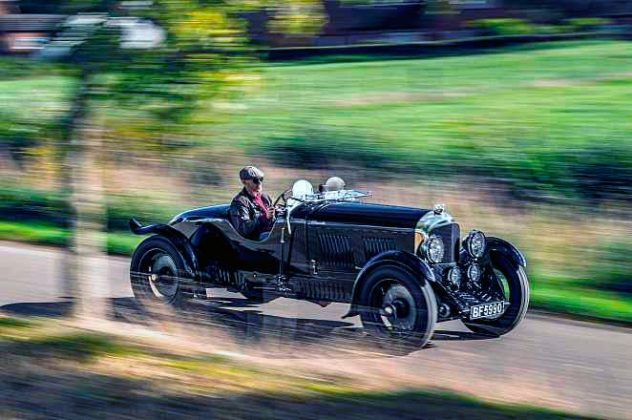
x=552 y=119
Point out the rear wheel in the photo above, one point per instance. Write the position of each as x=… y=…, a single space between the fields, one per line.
x=512 y=281
x=157 y=273
x=396 y=308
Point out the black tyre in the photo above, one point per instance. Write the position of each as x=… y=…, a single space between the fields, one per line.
x=157 y=273
x=397 y=309
x=515 y=285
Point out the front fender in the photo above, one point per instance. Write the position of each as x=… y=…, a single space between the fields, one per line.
x=178 y=239
x=505 y=248
x=403 y=259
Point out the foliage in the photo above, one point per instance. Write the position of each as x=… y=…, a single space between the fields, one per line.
x=52 y=208
x=121 y=207
x=28 y=120
x=582 y=24
x=21 y=68
x=296 y=17
x=612 y=266
x=505 y=26
x=25 y=204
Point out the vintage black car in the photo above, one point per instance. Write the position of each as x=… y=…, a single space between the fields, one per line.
x=401 y=269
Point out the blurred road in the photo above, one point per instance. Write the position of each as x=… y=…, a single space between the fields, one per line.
x=575 y=366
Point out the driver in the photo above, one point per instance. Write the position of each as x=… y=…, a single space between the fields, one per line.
x=251 y=211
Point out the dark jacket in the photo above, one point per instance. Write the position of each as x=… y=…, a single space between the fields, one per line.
x=247 y=217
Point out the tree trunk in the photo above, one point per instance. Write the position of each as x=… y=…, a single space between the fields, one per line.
x=84 y=264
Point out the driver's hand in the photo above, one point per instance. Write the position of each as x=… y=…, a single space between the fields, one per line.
x=270 y=213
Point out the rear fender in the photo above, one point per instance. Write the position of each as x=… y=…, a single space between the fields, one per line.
x=403 y=259
x=177 y=239
x=503 y=247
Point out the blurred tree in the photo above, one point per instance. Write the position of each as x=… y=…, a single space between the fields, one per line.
x=296 y=17
x=194 y=51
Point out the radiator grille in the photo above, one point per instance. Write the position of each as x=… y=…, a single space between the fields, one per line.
x=451 y=237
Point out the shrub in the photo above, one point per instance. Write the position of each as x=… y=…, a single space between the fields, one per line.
x=121 y=208
x=612 y=267
x=23 y=204
x=324 y=147
x=51 y=207
x=585 y=24
x=505 y=26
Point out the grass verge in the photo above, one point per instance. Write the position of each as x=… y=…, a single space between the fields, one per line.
x=118 y=243
x=582 y=303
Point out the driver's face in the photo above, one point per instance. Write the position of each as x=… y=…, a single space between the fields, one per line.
x=254 y=185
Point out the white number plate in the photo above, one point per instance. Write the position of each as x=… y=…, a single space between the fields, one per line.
x=487 y=310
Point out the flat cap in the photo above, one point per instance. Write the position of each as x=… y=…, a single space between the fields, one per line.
x=250 y=172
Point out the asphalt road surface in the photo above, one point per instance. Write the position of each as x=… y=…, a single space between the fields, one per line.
x=578 y=367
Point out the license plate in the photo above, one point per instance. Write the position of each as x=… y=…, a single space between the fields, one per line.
x=487 y=310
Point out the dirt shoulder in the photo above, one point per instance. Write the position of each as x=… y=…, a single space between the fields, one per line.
x=56 y=369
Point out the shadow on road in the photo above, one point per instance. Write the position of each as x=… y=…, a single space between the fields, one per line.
x=246 y=326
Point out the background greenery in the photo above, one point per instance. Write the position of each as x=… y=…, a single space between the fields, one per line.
x=542 y=132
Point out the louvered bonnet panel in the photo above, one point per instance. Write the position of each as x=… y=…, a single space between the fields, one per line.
x=336 y=251
x=375 y=245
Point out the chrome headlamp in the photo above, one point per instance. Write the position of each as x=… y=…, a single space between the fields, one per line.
x=434 y=249
x=475 y=244
x=454 y=278
x=474 y=272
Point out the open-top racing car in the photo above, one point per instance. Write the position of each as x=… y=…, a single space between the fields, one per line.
x=401 y=269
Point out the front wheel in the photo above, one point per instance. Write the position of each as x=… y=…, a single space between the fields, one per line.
x=513 y=282
x=157 y=272
x=395 y=307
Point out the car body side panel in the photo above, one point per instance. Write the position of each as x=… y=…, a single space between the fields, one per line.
x=248 y=255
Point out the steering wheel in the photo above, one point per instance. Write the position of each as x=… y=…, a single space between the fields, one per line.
x=282 y=197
